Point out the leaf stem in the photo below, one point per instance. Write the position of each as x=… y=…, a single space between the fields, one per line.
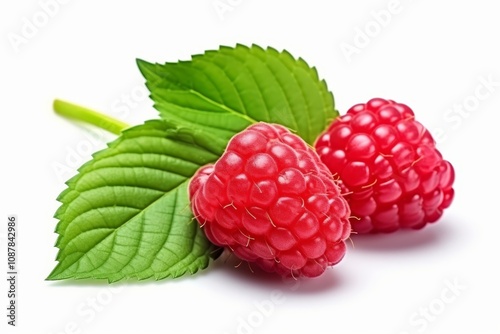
x=83 y=114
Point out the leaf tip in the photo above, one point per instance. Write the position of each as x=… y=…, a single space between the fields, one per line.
x=140 y=62
x=144 y=66
x=54 y=275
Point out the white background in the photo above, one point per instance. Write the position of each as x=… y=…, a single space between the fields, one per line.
x=433 y=56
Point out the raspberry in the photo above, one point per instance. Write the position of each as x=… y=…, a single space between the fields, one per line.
x=272 y=202
x=390 y=171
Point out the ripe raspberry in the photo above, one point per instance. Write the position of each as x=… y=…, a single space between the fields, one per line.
x=272 y=202
x=390 y=171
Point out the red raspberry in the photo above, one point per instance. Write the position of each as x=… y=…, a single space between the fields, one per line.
x=390 y=171
x=272 y=202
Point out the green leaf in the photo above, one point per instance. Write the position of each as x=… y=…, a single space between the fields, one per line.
x=127 y=215
x=222 y=92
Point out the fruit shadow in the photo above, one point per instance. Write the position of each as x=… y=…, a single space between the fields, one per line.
x=236 y=275
x=245 y=274
x=430 y=236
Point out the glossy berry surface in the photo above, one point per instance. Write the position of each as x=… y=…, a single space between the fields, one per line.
x=273 y=203
x=388 y=166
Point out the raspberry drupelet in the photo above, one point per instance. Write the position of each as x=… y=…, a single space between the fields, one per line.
x=388 y=167
x=272 y=202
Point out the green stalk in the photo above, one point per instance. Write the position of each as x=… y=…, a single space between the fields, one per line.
x=83 y=114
